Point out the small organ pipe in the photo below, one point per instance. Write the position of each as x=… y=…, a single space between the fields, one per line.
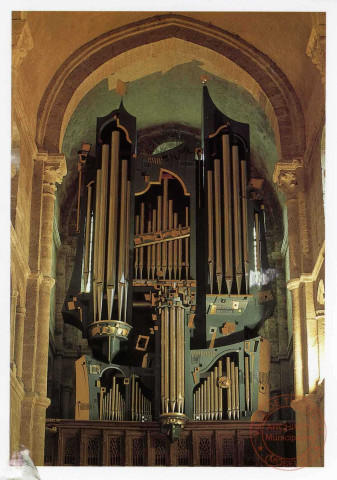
x=217 y=202
x=245 y=222
x=233 y=390
x=113 y=398
x=165 y=220
x=136 y=249
x=216 y=394
x=211 y=381
x=170 y=244
x=187 y=254
x=87 y=237
x=236 y=373
x=247 y=393
x=159 y=215
x=175 y=248
x=237 y=217
x=210 y=229
x=153 y=256
x=141 y=249
x=202 y=407
x=133 y=397
x=228 y=252
x=149 y=250
x=220 y=391
x=229 y=389
x=112 y=227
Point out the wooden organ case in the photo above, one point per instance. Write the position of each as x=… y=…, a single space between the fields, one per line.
x=167 y=280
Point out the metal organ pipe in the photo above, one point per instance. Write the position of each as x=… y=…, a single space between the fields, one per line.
x=245 y=221
x=210 y=229
x=227 y=212
x=87 y=237
x=122 y=235
x=237 y=217
x=217 y=202
x=113 y=213
x=102 y=228
x=96 y=237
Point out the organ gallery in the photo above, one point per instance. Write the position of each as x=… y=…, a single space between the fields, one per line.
x=174 y=287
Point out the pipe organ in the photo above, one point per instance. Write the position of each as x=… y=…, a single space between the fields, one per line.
x=167 y=284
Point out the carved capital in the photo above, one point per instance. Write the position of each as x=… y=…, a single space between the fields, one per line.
x=54 y=170
x=286 y=177
x=22 y=41
x=316 y=48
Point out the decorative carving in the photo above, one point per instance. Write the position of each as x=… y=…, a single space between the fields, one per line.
x=53 y=172
x=22 y=42
x=285 y=176
x=316 y=48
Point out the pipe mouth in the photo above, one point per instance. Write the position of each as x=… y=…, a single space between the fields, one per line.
x=109 y=328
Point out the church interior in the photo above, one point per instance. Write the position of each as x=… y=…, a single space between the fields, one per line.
x=167 y=238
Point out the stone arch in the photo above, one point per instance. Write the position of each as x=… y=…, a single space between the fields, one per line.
x=90 y=57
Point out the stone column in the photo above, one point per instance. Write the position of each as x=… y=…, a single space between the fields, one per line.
x=54 y=170
x=19 y=331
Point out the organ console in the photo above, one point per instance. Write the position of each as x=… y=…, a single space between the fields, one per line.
x=166 y=284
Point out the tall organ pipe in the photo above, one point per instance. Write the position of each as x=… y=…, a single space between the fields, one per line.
x=217 y=201
x=245 y=221
x=126 y=250
x=141 y=249
x=122 y=235
x=170 y=244
x=113 y=214
x=173 y=358
x=153 y=256
x=227 y=212
x=210 y=229
x=165 y=219
x=159 y=214
x=96 y=237
x=237 y=217
x=102 y=228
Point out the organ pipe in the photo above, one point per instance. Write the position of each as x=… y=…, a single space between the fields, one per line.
x=210 y=229
x=227 y=212
x=245 y=222
x=237 y=217
x=87 y=237
x=217 y=201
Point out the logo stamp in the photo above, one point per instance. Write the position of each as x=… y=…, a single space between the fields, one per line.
x=281 y=442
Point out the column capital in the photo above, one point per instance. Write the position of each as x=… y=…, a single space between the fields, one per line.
x=54 y=169
x=285 y=176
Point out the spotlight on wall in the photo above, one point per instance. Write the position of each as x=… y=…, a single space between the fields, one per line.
x=84 y=152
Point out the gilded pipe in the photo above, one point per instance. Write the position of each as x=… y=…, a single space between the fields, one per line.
x=165 y=220
x=216 y=394
x=162 y=360
x=247 y=382
x=173 y=358
x=127 y=249
x=180 y=255
x=149 y=250
x=217 y=202
x=205 y=400
x=159 y=218
x=195 y=406
x=170 y=244
x=136 y=249
x=208 y=391
x=210 y=228
x=220 y=389
x=141 y=249
x=182 y=337
x=229 y=389
x=175 y=248
x=133 y=397
x=233 y=390
x=122 y=236
x=228 y=252
x=179 y=360
x=237 y=217
x=187 y=254
x=153 y=256
x=87 y=237
x=112 y=227
x=167 y=354
x=96 y=239
x=113 y=408
x=102 y=228
x=202 y=408
x=245 y=222
x=136 y=401
x=212 y=394
x=237 y=400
